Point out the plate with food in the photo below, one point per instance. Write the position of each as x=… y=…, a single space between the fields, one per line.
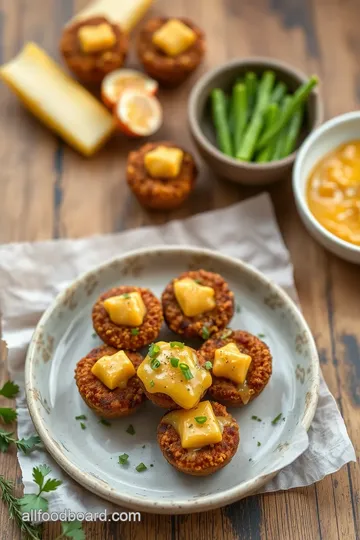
x=170 y=363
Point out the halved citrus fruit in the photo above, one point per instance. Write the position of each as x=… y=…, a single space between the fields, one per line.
x=122 y=79
x=137 y=113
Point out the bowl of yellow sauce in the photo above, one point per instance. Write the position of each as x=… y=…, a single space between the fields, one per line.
x=326 y=183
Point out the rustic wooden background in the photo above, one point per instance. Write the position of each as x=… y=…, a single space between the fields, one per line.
x=48 y=191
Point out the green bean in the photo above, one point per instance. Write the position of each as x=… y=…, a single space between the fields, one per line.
x=240 y=113
x=251 y=84
x=280 y=141
x=298 y=98
x=293 y=130
x=271 y=114
x=219 y=112
x=279 y=92
x=253 y=130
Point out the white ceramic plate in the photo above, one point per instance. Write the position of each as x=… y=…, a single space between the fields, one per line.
x=65 y=334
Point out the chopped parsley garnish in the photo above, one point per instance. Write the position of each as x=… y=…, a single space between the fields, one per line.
x=130 y=430
x=155 y=363
x=141 y=467
x=226 y=334
x=201 y=419
x=143 y=446
x=151 y=465
x=153 y=350
x=174 y=361
x=276 y=419
x=256 y=418
x=83 y=426
x=238 y=308
x=104 y=422
x=261 y=336
x=208 y=365
x=205 y=332
x=178 y=344
x=152 y=384
x=126 y=295
x=123 y=459
x=135 y=331
x=186 y=371
x=81 y=417
x=259 y=443
x=94 y=334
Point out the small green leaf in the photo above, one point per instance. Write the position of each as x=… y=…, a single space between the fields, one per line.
x=208 y=365
x=94 y=334
x=82 y=425
x=276 y=419
x=9 y=390
x=33 y=502
x=5 y=440
x=259 y=443
x=135 y=331
x=237 y=308
x=29 y=444
x=7 y=414
x=141 y=467
x=123 y=459
x=104 y=422
x=51 y=485
x=126 y=295
x=261 y=336
x=130 y=430
x=73 y=529
x=81 y=417
x=205 y=332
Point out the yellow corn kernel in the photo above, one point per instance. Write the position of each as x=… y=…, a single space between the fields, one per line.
x=231 y=364
x=96 y=38
x=194 y=298
x=174 y=37
x=114 y=371
x=164 y=162
x=127 y=309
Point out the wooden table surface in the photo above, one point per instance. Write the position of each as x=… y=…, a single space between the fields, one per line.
x=49 y=191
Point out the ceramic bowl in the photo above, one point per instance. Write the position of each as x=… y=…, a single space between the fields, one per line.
x=65 y=334
x=322 y=141
x=203 y=132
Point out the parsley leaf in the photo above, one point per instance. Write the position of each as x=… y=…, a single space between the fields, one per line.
x=276 y=419
x=28 y=445
x=130 y=430
x=81 y=417
x=72 y=529
x=135 y=331
x=33 y=502
x=123 y=459
x=9 y=390
x=5 y=440
x=51 y=485
x=104 y=422
x=7 y=414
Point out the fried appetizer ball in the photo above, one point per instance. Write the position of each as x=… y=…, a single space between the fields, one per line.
x=94 y=47
x=127 y=317
x=161 y=175
x=183 y=444
x=251 y=369
x=170 y=49
x=103 y=401
x=172 y=377
x=197 y=304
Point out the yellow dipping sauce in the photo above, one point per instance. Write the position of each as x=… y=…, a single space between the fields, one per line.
x=333 y=192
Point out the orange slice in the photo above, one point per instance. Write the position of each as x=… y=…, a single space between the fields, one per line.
x=138 y=114
x=122 y=79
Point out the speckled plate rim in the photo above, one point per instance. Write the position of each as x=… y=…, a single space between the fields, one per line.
x=203 y=503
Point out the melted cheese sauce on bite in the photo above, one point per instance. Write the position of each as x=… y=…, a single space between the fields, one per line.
x=333 y=192
x=170 y=380
x=197 y=427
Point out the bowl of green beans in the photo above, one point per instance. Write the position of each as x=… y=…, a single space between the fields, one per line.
x=249 y=117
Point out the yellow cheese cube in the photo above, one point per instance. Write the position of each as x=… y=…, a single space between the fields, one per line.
x=127 y=309
x=194 y=298
x=164 y=162
x=174 y=37
x=96 y=38
x=231 y=364
x=114 y=371
x=197 y=427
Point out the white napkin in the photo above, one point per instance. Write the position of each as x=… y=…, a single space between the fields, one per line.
x=32 y=274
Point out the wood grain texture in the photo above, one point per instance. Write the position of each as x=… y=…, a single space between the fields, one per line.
x=49 y=191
